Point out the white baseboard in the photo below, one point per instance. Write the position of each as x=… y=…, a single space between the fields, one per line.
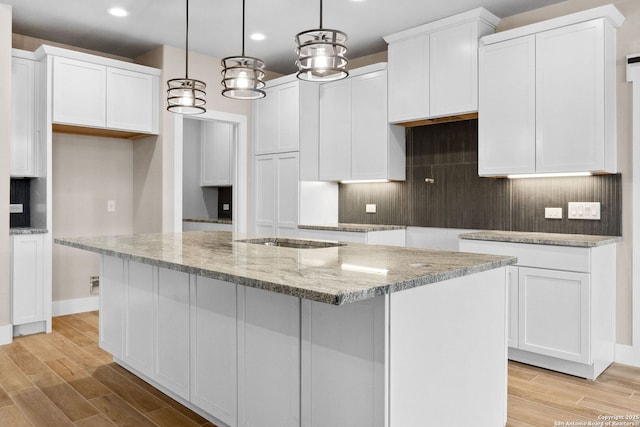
x=72 y=306
x=627 y=355
x=6 y=334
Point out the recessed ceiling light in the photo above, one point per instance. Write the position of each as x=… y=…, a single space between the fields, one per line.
x=118 y=11
x=257 y=36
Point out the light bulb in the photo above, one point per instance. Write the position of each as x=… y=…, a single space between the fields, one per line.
x=242 y=80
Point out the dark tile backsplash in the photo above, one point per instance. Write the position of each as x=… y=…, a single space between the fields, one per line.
x=20 y=192
x=225 y=197
x=459 y=198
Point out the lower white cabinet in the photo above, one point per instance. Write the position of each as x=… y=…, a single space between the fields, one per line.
x=27 y=279
x=379 y=237
x=139 y=317
x=561 y=305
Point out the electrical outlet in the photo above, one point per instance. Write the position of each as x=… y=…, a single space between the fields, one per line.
x=111 y=205
x=16 y=208
x=553 y=213
x=370 y=208
x=225 y=206
x=584 y=210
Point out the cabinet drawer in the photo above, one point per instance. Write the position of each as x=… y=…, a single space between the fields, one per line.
x=540 y=256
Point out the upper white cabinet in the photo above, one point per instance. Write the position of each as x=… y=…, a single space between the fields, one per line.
x=24 y=143
x=547 y=96
x=216 y=154
x=287 y=120
x=356 y=142
x=96 y=92
x=433 y=68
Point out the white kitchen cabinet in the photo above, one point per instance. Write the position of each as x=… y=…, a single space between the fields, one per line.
x=171 y=364
x=277 y=194
x=506 y=124
x=269 y=364
x=139 y=316
x=561 y=305
x=433 y=68
x=287 y=120
x=112 y=294
x=555 y=110
x=356 y=142
x=216 y=154
x=214 y=354
x=27 y=279
x=90 y=91
x=24 y=143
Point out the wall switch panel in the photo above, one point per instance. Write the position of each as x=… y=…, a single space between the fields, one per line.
x=553 y=213
x=371 y=208
x=111 y=205
x=16 y=208
x=584 y=210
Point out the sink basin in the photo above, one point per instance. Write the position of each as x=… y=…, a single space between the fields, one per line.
x=292 y=243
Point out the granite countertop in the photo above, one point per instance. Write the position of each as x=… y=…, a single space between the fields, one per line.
x=335 y=275
x=358 y=228
x=554 y=239
x=209 y=220
x=27 y=230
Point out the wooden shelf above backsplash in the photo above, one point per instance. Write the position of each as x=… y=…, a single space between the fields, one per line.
x=438 y=120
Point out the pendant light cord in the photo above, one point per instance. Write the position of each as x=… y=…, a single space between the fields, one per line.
x=243 y=27
x=320 y=14
x=186 y=54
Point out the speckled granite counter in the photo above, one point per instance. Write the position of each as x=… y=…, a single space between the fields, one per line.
x=336 y=275
x=209 y=220
x=27 y=230
x=555 y=239
x=357 y=228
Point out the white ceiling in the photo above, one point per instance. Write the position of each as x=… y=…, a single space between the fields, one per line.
x=215 y=25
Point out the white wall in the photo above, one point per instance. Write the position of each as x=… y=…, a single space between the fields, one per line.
x=87 y=172
x=5 y=137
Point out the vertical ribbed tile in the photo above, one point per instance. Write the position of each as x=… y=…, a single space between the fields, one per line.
x=20 y=192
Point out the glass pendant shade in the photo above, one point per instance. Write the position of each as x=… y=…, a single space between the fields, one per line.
x=321 y=55
x=185 y=95
x=243 y=77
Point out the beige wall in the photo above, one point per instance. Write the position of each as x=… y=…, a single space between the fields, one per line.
x=5 y=136
x=87 y=172
x=628 y=37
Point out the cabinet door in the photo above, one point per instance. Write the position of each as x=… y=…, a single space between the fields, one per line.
x=27 y=278
x=79 y=93
x=266 y=132
x=214 y=348
x=130 y=100
x=139 y=302
x=370 y=130
x=288 y=117
x=171 y=364
x=453 y=79
x=506 y=119
x=269 y=359
x=112 y=285
x=512 y=311
x=265 y=194
x=23 y=124
x=554 y=313
x=216 y=153
x=409 y=79
x=335 y=131
x=570 y=98
x=287 y=194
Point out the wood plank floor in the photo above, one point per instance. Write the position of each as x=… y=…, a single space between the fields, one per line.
x=64 y=379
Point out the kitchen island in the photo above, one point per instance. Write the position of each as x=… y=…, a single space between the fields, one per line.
x=253 y=331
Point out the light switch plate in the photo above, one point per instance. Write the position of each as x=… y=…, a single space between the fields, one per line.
x=370 y=208
x=553 y=213
x=584 y=210
x=111 y=205
x=16 y=208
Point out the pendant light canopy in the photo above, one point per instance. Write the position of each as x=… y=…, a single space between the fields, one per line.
x=242 y=76
x=185 y=95
x=321 y=54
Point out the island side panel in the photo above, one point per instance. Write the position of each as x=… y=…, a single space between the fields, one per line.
x=448 y=353
x=111 y=322
x=343 y=363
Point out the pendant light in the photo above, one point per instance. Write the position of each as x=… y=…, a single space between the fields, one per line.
x=321 y=54
x=185 y=95
x=242 y=76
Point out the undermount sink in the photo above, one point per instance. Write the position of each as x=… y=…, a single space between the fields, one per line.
x=292 y=243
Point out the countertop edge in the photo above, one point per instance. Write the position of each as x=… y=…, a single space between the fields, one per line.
x=565 y=240
x=339 y=299
x=17 y=231
x=354 y=228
